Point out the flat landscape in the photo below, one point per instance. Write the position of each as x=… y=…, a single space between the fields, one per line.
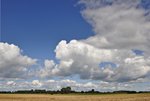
x=75 y=50
x=48 y=97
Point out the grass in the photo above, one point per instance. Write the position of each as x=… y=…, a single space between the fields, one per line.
x=65 y=97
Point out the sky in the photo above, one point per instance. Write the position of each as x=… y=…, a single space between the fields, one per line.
x=85 y=44
x=30 y=23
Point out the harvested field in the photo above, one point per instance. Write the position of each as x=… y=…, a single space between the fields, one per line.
x=48 y=97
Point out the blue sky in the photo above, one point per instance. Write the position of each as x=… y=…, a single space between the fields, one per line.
x=33 y=23
x=98 y=44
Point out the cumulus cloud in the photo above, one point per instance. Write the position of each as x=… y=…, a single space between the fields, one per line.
x=76 y=58
x=36 y=83
x=107 y=59
x=12 y=63
x=87 y=63
x=120 y=27
x=47 y=70
x=78 y=86
x=10 y=83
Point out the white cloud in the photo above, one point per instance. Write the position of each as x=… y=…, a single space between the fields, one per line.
x=12 y=63
x=36 y=83
x=11 y=83
x=76 y=58
x=48 y=66
x=78 y=86
x=84 y=60
x=120 y=27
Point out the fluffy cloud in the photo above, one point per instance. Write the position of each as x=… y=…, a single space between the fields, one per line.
x=84 y=60
x=36 y=83
x=120 y=27
x=11 y=83
x=47 y=70
x=12 y=63
x=76 y=58
x=78 y=86
x=108 y=57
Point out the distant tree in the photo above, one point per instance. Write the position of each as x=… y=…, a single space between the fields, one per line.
x=82 y=91
x=92 y=90
x=66 y=90
x=57 y=91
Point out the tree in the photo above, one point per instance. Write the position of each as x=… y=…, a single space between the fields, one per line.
x=92 y=90
x=66 y=90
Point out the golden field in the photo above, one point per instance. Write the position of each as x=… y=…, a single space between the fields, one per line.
x=48 y=97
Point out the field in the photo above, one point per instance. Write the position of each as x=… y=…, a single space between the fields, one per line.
x=47 y=97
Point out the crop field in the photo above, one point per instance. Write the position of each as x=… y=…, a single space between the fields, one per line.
x=48 y=97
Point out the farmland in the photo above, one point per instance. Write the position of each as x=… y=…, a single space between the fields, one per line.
x=75 y=97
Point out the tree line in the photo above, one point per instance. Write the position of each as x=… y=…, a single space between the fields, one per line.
x=68 y=90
